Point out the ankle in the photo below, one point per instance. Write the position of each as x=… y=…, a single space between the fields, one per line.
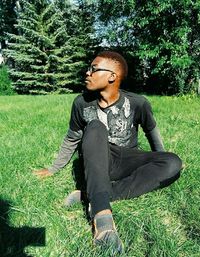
x=103 y=212
x=103 y=222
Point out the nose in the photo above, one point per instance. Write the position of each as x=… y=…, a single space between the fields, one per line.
x=88 y=73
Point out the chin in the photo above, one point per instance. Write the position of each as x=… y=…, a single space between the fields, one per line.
x=90 y=88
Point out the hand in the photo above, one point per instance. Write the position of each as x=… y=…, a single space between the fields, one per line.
x=43 y=173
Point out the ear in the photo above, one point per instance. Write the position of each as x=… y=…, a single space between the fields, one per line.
x=112 y=78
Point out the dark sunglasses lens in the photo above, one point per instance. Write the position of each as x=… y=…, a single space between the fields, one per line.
x=90 y=69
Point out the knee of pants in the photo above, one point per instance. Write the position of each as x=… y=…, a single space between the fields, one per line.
x=174 y=165
x=95 y=132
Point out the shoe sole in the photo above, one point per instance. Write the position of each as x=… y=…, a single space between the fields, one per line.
x=109 y=240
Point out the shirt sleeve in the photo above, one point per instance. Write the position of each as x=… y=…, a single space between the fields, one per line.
x=67 y=149
x=147 y=120
x=71 y=140
x=76 y=121
x=155 y=140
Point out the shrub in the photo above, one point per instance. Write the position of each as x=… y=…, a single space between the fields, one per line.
x=5 y=83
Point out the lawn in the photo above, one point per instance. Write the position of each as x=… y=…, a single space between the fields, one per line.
x=34 y=222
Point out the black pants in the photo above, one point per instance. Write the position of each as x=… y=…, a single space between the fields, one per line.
x=113 y=172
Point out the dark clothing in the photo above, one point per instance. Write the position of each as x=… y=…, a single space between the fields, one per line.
x=113 y=172
x=121 y=119
x=113 y=166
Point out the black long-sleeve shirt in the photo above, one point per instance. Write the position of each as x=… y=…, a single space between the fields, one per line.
x=122 y=120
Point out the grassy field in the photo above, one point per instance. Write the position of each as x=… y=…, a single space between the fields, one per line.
x=164 y=223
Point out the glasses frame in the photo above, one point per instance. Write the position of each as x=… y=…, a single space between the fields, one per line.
x=93 y=69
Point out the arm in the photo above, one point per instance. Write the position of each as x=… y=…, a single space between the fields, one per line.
x=150 y=129
x=155 y=140
x=67 y=149
x=68 y=146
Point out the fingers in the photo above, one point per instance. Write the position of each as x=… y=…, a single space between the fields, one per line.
x=43 y=173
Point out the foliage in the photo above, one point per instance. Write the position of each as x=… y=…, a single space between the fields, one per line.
x=159 y=38
x=82 y=43
x=49 y=54
x=5 y=83
x=165 y=222
x=53 y=41
x=7 y=19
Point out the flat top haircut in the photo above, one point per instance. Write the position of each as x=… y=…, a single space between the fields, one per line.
x=118 y=58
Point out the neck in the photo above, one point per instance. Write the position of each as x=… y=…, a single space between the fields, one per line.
x=108 y=98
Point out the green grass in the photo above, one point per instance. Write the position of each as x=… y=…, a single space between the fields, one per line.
x=162 y=223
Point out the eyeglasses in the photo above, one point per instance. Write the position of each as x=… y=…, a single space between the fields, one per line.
x=92 y=69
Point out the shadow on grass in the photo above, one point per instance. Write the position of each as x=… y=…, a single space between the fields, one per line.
x=190 y=218
x=14 y=240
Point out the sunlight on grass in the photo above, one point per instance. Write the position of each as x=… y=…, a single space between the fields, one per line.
x=162 y=223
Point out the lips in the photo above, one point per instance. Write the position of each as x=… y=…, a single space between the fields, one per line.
x=87 y=80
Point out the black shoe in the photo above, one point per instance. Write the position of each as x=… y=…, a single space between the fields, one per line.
x=76 y=197
x=106 y=235
x=72 y=198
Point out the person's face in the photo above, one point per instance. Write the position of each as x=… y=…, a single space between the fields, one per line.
x=100 y=74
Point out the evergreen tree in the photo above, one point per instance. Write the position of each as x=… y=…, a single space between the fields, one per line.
x=82 y=44
x=30 y=52
x=49 y=54
x=7 y=19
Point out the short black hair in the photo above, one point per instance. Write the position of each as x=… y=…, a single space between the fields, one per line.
x=118 y=58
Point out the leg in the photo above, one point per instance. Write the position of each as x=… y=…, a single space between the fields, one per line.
x=95 y=151
x=96 y=160
x=141 y=172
